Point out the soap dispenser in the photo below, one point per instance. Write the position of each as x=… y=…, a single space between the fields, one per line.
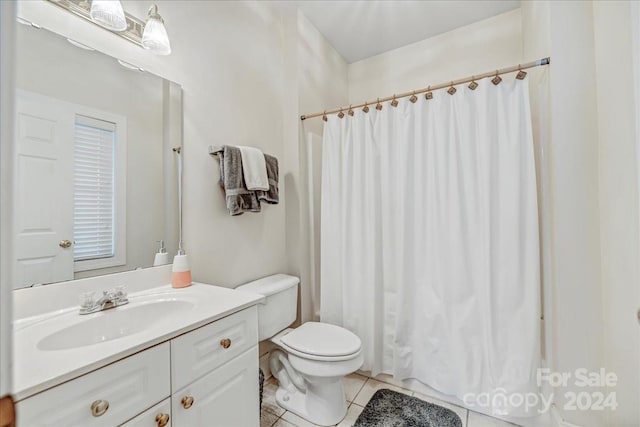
x=162 y=257
x=181 y=272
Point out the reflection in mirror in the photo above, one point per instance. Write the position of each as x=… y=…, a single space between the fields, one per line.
x=95 y=177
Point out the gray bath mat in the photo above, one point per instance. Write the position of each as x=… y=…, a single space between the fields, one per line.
x=392 y=409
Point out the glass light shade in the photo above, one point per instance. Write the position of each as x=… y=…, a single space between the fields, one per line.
x=109 y=14
x=155 y=37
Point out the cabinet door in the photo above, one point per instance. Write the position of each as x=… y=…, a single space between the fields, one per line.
x=195 y=354
x=103 y=398
x=158 y=416
x=226 y=397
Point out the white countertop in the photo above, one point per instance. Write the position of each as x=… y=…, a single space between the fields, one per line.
x=36 y=370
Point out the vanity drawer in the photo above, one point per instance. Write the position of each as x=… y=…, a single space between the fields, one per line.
x=128 y=386
x=199 y=352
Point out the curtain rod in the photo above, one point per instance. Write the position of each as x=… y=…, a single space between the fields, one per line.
x=520 y=67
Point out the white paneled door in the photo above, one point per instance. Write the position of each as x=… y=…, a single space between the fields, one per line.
x=43 y=191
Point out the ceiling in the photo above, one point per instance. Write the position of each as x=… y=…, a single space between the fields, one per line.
x=359 y=29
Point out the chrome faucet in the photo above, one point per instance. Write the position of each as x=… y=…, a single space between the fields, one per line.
x=109 y=299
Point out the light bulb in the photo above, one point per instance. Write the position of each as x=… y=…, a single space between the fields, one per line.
x=155 y=37
x=108 y=14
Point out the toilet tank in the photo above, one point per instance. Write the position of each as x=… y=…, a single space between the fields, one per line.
x=280 y=308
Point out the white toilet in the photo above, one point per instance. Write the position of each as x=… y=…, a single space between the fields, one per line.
x=309 y=361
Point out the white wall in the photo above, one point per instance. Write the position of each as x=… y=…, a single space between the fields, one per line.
x=591 y=166
x=618 y=117
x=577 y=312
x=477 y=48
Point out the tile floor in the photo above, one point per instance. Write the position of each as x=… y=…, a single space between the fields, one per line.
x=359 y=389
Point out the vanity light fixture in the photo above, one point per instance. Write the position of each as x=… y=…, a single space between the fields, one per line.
x=135 y=30
x=155 y=37
x=108 y=14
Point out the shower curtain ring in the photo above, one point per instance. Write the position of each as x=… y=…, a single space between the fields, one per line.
x=324 y=116
x=378 y=105
x=350 y=112
x=394 y=101
x=365 y=108
x=429 y=94
x=473 y=85
x=451 y=89
x=341 y=114
x=521 y=74
x=497 y=79
x=413 y=98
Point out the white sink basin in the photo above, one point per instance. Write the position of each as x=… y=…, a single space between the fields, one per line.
x=114 y=324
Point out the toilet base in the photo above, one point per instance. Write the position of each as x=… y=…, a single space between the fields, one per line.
x=323 y=403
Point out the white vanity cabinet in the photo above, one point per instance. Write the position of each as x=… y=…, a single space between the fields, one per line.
x=204 y=377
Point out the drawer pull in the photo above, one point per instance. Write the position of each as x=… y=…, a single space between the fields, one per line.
x=99 y=407
x=162 y=419
x=225 y=343
x=187 y=402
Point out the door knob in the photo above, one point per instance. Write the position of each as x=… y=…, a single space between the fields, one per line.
x=187 y=402
x=64 y=244
x=162 y=419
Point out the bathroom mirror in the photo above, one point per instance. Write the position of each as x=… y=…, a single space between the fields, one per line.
x=95 y=177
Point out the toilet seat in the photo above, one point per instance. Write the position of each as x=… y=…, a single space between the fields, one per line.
x=321 y=341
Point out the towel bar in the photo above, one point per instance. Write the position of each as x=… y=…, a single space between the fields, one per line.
x=215 y=149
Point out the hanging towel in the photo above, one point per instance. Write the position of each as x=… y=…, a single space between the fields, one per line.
x=238 y=198
x=254 y=169
x=270 y=196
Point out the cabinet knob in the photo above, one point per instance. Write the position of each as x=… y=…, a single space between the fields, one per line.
x=99 y=407
x=187 y=402
x=64 y=244
x=162 y=419
x=225 y=343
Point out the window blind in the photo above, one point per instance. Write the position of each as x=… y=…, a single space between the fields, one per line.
x=93 y=189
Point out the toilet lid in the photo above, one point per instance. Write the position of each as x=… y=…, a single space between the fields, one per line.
x=322 y=339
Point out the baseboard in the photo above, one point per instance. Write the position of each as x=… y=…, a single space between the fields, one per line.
x=557 y=419
x=264 y=365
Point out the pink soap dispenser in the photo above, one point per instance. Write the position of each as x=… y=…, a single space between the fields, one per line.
x=181 y=272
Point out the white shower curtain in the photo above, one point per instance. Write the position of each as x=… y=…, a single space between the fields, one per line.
x=430 y=239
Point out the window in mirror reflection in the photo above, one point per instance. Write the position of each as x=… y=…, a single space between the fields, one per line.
x=93 y=189
x=97 y=228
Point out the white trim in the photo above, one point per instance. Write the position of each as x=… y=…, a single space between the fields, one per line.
x=7 y=51
x=635 y=31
